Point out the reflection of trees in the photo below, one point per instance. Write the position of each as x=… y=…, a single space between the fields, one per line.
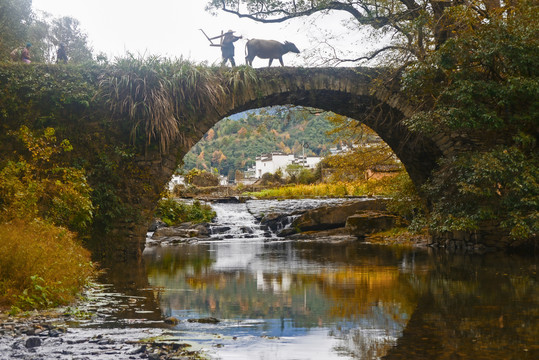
x=183 y=258
x=354 y=290
x=129 y=278
x=336 y=291
x=474 y=307
x=481 y=307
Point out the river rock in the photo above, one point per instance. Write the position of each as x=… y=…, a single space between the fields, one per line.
x=220 y=229
x=277 y=222
x=203 y=229
x=156 y=224
x=172 y=320
x=368 y=222
x=185 y=230
x=33 y=342
x=330 y=217
x=206 y=320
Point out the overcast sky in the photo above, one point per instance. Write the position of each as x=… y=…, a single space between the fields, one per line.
x=171 y=28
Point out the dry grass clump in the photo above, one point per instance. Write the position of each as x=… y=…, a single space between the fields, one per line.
x=41 y=265
x=161 y=96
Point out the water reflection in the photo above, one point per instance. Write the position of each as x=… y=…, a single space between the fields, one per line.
x=314 y=300
x=285 y=293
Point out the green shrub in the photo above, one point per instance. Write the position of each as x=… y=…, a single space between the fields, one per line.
x=174 y=212
x=500 y=185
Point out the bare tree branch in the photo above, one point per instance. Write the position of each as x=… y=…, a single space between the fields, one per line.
x=375 y=53
x=374 y=20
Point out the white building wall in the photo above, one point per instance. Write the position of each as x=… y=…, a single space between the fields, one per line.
x=176 y=180
x=270 y=163
x=312 y=161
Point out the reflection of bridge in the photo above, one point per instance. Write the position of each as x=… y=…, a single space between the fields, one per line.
x=135 y=176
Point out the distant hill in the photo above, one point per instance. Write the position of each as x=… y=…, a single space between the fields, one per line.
x=233 y=143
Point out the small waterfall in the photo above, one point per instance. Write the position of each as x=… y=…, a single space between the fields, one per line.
x=235 y=222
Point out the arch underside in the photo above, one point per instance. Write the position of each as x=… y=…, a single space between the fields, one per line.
x=418 y=154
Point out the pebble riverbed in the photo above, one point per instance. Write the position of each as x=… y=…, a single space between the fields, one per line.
x=90 y=331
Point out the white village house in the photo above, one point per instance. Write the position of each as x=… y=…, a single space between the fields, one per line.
x=270 y=163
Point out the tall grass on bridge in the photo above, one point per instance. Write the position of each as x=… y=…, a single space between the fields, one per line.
x=159 y=95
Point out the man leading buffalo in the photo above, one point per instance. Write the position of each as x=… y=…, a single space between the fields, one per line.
x=227 y=46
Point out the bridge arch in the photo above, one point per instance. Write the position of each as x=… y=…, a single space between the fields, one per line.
x=345 y=91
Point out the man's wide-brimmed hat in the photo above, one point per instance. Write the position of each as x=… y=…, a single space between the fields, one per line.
x=229 y=32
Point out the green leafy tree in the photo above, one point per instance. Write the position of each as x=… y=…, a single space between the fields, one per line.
x=67 y=30
x=499 y=186
x=484 y=82
x=40 y=188
x=15 y=16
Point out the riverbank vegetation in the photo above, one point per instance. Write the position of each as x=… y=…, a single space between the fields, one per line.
x=485 y=81
x=41 y=265
x=326 y=189
x=173 y=212
x=44 y=207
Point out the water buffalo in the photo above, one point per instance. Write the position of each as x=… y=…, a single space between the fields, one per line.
x=268 y=49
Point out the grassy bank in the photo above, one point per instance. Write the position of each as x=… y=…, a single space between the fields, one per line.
x=41 y=265
x=337 y=189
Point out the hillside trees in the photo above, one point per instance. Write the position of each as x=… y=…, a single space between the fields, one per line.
x=234 y=144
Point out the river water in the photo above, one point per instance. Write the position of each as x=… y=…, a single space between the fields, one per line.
x=277 y=299
x=320 y=300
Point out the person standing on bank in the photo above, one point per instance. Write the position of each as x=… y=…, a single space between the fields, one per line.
x=61 y=54
x=25 y=54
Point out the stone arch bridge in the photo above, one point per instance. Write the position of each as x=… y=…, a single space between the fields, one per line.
x=135 y=176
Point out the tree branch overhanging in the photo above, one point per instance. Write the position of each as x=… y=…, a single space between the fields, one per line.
x=281 y=15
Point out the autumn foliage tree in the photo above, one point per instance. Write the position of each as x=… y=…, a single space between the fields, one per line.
x=365 y=150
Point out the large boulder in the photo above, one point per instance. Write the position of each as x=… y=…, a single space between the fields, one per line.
x=331 y=217
x=156 y=224
x=368 y=222
x=277 y=222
